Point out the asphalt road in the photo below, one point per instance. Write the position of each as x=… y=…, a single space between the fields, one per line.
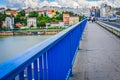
x=115 y=24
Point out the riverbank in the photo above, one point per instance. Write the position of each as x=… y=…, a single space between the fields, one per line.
x=30 y=32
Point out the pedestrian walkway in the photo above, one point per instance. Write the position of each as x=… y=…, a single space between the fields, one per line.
x=99 y=55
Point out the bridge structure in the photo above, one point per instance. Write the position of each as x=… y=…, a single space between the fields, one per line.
x=50 y=60
x=85 y=51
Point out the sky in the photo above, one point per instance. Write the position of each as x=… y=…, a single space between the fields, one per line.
x=36 y=3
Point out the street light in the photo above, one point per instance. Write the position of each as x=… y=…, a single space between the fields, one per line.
x=113 y=7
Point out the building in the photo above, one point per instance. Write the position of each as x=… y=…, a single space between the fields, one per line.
x=2 y=10
x=73 y=20
x=47 y=25
x=97 y=12
x=28 y=10
x=32 y=22
x=49 y=13
x=92 y=11
x=3 y=24
x=11 y=12
x=40 y=12
x=105 y=10
x=54 y=24
x=66 y=18
x=19 y=25
x=9 y=22
x=61 y=24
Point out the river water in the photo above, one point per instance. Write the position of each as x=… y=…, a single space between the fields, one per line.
x=13 y=45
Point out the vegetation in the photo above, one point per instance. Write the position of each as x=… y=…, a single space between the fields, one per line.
x=8 y=9
x=41 y=19
x=2 y=18
x=33 y=14
x=60 y=28
x=20 y=17
x=0 y=25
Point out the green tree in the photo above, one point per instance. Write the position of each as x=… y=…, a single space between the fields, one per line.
x=81 y=18
x=33 y=14
x=22 y=13
x=54 y=19
x=23 y=21
x=59 y=17
x=0 y=25
x=57 y=13
x=2 y=17
x=31 y=26
x=8 y=9
x=20 y=17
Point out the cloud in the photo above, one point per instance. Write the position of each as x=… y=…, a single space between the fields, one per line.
x=64 y=3
x=1 y=6
x=32 y=3
x=14 y=3
x=22 y=3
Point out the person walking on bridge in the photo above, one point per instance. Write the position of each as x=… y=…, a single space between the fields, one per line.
x=92 y=19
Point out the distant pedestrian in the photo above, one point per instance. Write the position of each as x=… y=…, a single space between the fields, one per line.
x=93 y=19
x=89 y=19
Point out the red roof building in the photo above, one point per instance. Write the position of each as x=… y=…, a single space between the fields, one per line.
x=66 y=18
x=19 y=25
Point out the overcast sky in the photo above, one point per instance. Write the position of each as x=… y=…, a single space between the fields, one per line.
x=38 y=3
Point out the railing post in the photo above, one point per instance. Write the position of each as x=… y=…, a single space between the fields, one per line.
x=21 y=76
x=29 y=72
x=41 y=68
x=45 y=63
x=35 y=70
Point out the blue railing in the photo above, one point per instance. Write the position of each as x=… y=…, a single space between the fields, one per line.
x=50 y=60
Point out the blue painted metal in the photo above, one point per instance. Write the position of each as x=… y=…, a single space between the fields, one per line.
x=52 y=59
x=29 y=72
x=21 y=75
x=35 y=70
x=41 y=68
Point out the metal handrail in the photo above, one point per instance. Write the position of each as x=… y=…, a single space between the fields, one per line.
x=51 y=59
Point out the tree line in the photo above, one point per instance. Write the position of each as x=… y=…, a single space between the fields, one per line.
x=41 y=19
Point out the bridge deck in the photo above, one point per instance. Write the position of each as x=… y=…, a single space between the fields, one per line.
x=99 y=55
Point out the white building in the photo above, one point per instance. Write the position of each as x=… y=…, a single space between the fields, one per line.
x=47 y=25
x=54 y=24
x=32 y=22
x=9 y=22
x=61 y=24
x=2 y=10
x=73 y=20
x=105 y=10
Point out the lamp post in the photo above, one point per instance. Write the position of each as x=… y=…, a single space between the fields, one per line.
x=113 y=7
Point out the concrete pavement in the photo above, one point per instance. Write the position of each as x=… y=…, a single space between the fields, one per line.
x=99 y=55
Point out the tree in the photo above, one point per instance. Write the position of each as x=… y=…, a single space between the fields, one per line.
x=0 y=25
x=33 y=14
x=22 y=13
x=57 y=13
x=2 y=17
x=59 y=17
x=70 y=13
x=20 y=17
x=31 y=26
x=81 y=18
x=8 y=9
x=54 y=19
x=23 y=21
x=42 y=24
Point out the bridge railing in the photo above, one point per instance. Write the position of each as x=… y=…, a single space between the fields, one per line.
x=110 y=28
x=50 y=60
